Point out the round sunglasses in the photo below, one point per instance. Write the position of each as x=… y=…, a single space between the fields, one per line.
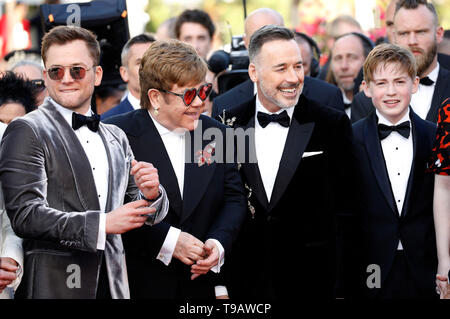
x=188 y=95
x=76 y=72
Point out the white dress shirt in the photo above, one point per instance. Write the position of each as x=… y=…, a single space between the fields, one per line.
x=421 y=100
x=95 y=151
x=174 y=143
x=348 y=110
x=135 y=103
x=398 y=155
x=269 y=144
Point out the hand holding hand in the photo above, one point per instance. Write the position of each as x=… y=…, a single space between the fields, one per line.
x=128 y=217
x=188 y=249
x=146 y=178
x=211 y=252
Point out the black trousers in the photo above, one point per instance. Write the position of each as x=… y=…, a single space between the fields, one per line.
x=103 y=291
x=399 y=283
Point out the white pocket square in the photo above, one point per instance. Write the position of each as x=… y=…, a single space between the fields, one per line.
x=307 y=154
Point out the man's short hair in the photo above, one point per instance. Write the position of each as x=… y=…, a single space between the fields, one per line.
x=387 y=53
x=15 y=89
x=414 y=4
x=366 y=43
x=26 y=63
x=140 y=38
x=195 y=16
x=62 y=34
x=266 y=34
x=333 y=26
x=169 y=62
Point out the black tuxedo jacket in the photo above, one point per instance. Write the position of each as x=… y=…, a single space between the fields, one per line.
x=362 y=105
x=213 y=206
x=290 y=240
x=383 y=226
x=320 y=92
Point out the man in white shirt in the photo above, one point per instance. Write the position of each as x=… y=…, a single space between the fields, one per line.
x=416 y=27
x=61 y=171
x=393 y=146
x=207 y=203
x=287 y=247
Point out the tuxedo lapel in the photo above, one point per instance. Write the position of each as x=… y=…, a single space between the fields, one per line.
x=296 y=142
x=418 y=134
x=196 y=178
x=376 y=159
x=251 y=170
x=440 y=93
x=80 y=166
x=153 y=150
x=116 y=163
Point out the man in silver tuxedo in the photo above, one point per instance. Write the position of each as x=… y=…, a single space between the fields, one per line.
x=61 y=171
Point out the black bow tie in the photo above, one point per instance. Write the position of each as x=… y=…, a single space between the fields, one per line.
x=403 y=129
x=283 y=119
x=91 y=122
x=347 y=105
x=426 y=81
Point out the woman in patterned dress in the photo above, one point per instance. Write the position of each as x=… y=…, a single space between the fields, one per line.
x=440 y=165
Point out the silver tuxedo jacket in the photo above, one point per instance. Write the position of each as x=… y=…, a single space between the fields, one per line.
x=52 y=203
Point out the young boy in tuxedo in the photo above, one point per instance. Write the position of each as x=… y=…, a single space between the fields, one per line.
x=395 y=193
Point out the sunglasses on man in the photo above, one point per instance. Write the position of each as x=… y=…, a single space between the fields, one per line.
x=189 y=95
x=76 y=72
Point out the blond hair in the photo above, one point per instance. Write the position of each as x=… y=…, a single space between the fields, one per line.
x=387 y=53
x=166 y=63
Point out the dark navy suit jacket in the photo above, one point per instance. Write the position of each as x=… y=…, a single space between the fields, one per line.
x=383 y=226
x=123 y=107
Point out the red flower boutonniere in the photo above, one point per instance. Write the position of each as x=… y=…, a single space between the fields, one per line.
x=204 y=156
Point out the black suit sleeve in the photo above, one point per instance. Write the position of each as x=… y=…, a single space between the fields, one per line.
x=347 y=213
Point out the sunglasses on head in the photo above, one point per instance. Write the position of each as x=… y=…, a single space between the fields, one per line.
x=188 y=95
x=38 y=84
x=76 y=72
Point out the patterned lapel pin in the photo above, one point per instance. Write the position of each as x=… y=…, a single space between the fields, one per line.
x=229 y=122
x=250 y=206
x=204 y=156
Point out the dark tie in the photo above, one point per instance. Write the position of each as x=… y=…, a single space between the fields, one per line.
x=403 y=129
x=264 y=119
x=426 y=81
x=347 y=105
x=91 y=122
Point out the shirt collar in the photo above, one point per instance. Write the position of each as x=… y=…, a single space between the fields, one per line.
x=135 y=103
x=383 y=120
x=346 y=100
x=67 y=113
x=434 y=74
x=162 y=130
x=261 y=108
